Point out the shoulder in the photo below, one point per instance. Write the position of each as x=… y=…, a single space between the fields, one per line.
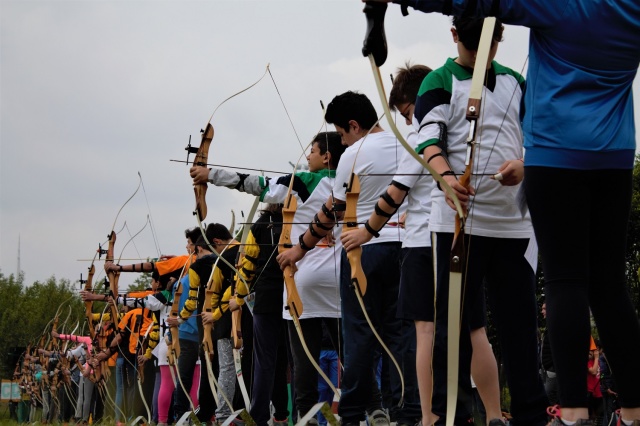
x=506 y=71
x=441 y=78
x=231 y=252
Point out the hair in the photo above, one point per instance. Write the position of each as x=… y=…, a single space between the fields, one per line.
x=406 y=84
x=272 y=208
x=469 y=30
x=163 y=280
x=351 y=106
x=214 y=230
x=332 y=142
x=192 y=234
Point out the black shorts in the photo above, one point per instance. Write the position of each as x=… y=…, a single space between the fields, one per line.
x=415 y=298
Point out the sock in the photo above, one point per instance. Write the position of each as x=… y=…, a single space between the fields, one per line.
x=567 y=422
x=627 y=422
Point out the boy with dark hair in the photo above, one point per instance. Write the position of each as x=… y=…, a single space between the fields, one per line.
x=218 y=238
x=416 y=297
x=501 y=250
x=371 y=152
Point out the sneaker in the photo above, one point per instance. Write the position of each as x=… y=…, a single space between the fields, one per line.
x=378 y=418
x=556 y=412
x=497 y=422
x=284 y=422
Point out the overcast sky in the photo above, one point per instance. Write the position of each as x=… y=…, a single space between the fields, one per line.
x=93 y=92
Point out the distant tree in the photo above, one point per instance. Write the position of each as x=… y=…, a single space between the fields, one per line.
x=142 y=282
x=26 y=313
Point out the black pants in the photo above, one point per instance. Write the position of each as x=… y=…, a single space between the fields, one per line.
x=269 y=368
x=306 y=376
x=360 y=391
x=206 y=399
x=189 y=353
x=499 y=264
x=580 y=219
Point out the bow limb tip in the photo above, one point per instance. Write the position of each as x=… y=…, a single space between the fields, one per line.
x=375 y=41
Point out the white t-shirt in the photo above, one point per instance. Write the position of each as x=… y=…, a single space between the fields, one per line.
x=494 y=210
x=418 y=201
x=318 y=275
x=374 y=159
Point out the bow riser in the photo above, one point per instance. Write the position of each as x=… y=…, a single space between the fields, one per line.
x=294 y=303
x=88 y=305
x=201 y=159
x=350 y=223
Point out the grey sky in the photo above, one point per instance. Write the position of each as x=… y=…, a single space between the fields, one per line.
x=94 y=91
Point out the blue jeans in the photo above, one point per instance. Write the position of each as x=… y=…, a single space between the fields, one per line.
x=328 y=362
x=360 y=392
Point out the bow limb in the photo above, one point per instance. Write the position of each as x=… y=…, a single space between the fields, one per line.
x=202 y=155
x=236 y=316
x=375 y=48
x=132 y=238
x=113 y=276
x=294 y=303
x=232 y=227
x=140 y=368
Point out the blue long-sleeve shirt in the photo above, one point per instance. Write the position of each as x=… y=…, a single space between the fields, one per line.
x=188 y=330
x=583 y=58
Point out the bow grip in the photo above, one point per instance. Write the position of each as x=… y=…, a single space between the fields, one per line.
x=375 y=41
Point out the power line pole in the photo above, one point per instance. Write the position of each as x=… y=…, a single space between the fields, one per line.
x=18 y=272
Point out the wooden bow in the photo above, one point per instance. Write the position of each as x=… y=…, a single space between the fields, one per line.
x=458 y=261
x=236 y=316
x=88 y=305
x=294 y=303
x=201 y=158
x=113 y=278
